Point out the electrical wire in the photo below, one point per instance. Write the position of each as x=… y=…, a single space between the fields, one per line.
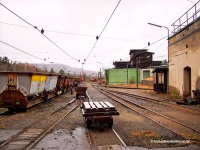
x=74 y=34
x=21 y=50
x=98 y=36
x=42 y=31
x=27 y=53
x=145 y=48
x=155 y=42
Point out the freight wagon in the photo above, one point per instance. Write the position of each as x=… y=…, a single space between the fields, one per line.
x=21 y=90
x=77 y=81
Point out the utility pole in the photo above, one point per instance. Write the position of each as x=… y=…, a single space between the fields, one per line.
x=100 y=75
x=127 y=72
x=137 y=70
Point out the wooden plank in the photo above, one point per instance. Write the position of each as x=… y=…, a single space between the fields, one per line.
x=102 y=104
x=86 y=105
x=100 y=113
x=109 y=105
x=98 y=105
x=92 y=105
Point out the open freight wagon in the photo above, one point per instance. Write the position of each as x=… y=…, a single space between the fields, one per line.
x=80 y=91
x=21 y=90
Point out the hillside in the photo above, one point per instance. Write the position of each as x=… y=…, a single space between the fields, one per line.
x=67 y=69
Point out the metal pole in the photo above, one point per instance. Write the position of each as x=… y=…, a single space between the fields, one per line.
x=167 y=49
x=137 y=71
x=100 y=75
x=127 y=73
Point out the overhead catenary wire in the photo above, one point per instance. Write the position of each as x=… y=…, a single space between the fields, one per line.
x=151 y=44
x=41 y=31
x=28 y=53
x=98 y=36
x=73 y=34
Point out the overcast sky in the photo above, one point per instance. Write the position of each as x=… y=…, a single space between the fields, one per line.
x=74 y=24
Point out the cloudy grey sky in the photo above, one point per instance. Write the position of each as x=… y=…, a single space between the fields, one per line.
x=74 y=24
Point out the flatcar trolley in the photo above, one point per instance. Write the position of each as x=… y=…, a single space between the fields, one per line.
x=98 y=113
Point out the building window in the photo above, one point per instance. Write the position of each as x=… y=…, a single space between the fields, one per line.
x=160 y=78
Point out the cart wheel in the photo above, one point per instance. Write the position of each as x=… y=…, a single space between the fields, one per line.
x=88 y=123
x=11 y=109
x=110 y=123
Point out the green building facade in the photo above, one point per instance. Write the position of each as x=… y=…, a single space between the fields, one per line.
x=122 y=76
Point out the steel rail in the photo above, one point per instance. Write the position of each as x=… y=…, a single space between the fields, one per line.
x=123 y=143
x=160 y=102
x=34 y=123
x=39 y=138
x=117 y=135
x=157 y=113
x=126 y=103
x=142 y=114
x=118 y=87
x=158 y=122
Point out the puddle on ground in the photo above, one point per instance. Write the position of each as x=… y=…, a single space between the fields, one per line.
x=64 y=139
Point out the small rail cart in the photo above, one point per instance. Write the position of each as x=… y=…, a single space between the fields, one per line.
x=80 y=91
x=98 y=113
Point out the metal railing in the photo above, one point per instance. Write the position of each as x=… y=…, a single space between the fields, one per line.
x=192 y=14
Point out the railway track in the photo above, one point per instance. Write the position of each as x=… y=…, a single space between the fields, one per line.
x=166 y=108
x=103 y=138
x=157 y=101
x=171 y=124
x=33 y=133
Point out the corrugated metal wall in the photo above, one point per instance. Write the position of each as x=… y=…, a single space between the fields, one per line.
x=114 y=76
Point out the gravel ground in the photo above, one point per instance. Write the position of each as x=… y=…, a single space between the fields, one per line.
x=71 y=133
x=136 y=130
x=11 y=124
x=189 y=119
x=161 y=96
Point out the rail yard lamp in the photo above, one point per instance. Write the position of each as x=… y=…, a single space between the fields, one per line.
x=161 y=27
x=167 y=48
x=167 y=34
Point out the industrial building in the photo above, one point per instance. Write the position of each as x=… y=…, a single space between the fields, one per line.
x=184 y=54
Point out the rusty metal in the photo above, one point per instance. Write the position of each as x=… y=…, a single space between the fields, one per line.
x=29 y=136
x=21 y=87
x=80 y=91
x=196 y=94
x=25 y=89
x=98 y=113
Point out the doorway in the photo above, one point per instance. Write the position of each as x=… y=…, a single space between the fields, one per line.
x=187 y=82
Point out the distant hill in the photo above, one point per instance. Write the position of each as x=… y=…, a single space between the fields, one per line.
x=67 y=69
x=8 y=65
